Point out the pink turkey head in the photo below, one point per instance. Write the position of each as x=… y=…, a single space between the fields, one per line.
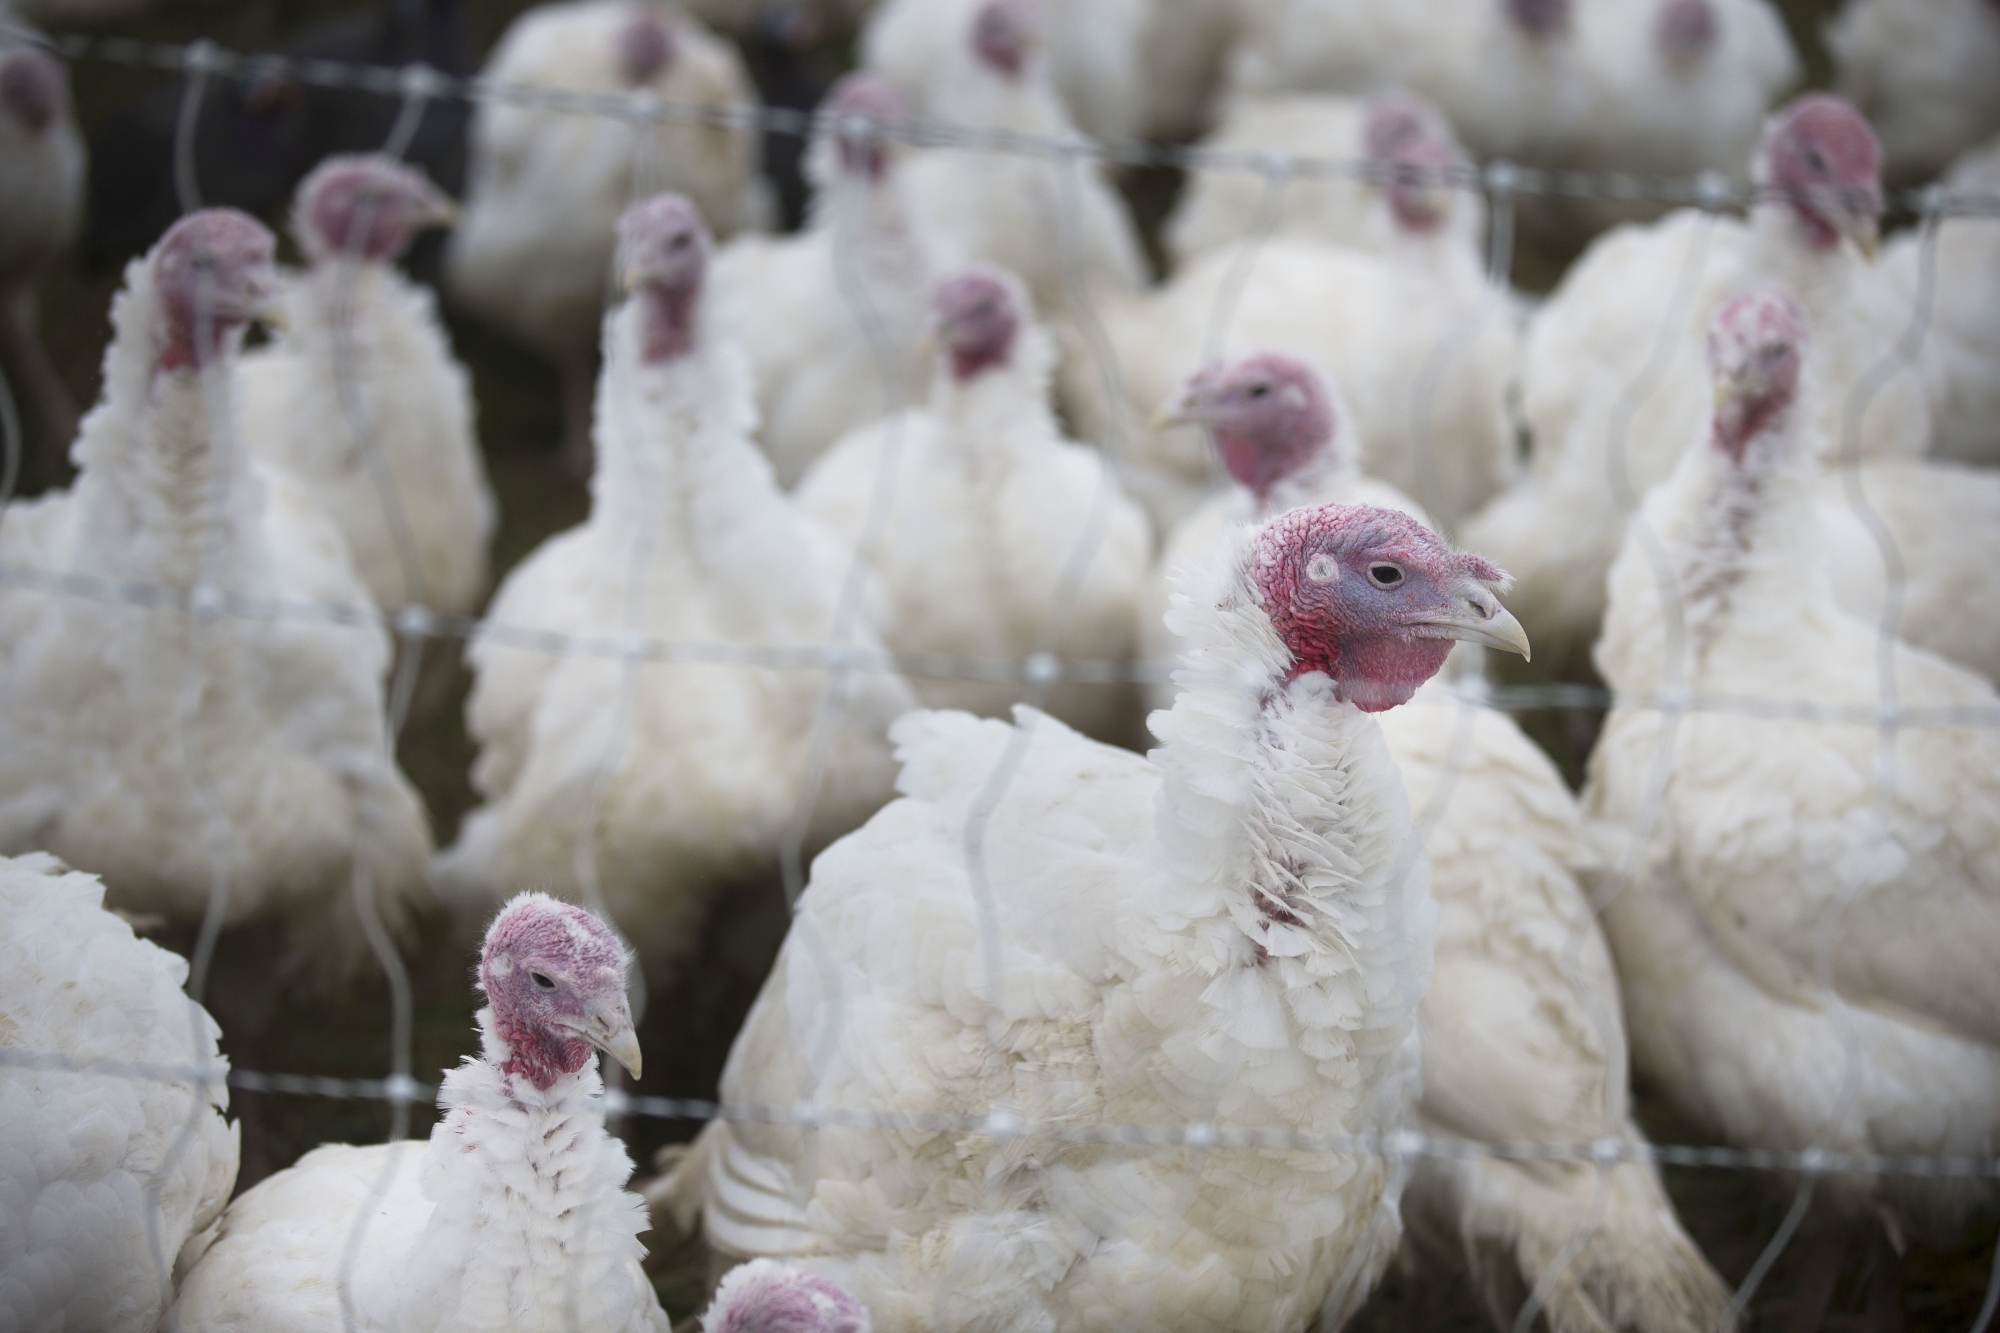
x=645 y=48
x=1403 y=135
x=1539 y=19
x=663 y=249
x=366 y=206
x=1756 y=351
x=979 y=314
x=1821 y=157
x=1003 y=36
x=1686 y=30
x=765 y=1296
x=32 y=88
x=214 y=272
x=1269 y=415
x=554 y=979
x=858 y=108
x=1374 y=598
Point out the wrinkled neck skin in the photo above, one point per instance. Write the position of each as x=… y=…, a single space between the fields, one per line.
x=991 y=421
x=529 y=1216
x=165 y=492
x=1283 y=836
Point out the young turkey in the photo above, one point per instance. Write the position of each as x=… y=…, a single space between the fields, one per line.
x=361 y=398
x=110 y=1182
x=41 y=178
x=1921 y=71
x=1286 y=439
x=200 y=749
x=1003 y=538
x=1225 y=933
x=1803 y=916
x=533 y=252
x=675 y=780
x=1523 y=1041
x=514 y=1216
x=1421 y=344
x=1057 y=224
x=833 y=317
x=1613 y=386
x=1221 y=208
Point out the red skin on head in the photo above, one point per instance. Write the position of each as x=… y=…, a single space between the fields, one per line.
x=645 y=47
x=345 y=194
x=1270 y=416
x=1686 y=29
x=1756 y=347
x=1397 y=134
x=1824 y=158
x=789 y=1301
x=1315 y=569
x=562 y=944
x=858 y=105
x=978 y=318
x=1003 y=34
x=32 y=88
x=213 y=270
x=663 y=246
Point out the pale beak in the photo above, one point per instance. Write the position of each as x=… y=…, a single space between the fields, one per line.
x=1476 y=616
x=610 y=1031
x=1867 y=234
x=1180 y=410
x=269 y=309
x=440 y=210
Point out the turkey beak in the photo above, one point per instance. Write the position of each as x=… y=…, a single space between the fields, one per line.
x=610 y=1031
x=1476 y=616
x=268 y=305
x=1867 y=233
x=440 y=210
x=1183 y=409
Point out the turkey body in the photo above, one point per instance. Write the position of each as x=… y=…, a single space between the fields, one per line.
x=364 y=368
x=1918 y=70
x=91 y=1154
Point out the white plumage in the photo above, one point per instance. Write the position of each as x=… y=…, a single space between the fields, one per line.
x=1921 y=71
x=362 y=400
x=91 y=1154
x=533 y=251
x=1221 y=934
x=204 y=744
x=672 y=780
x=998 y=524
x=513 y=1217
x=833 y=318
x=1805 y=917
x=1613 y=385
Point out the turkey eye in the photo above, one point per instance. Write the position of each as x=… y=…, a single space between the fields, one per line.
x=1260 y=390
x=542 y=982
x=1385 y=576
x=1815 y=161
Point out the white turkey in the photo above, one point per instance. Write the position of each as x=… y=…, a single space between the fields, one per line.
x=1219 y=208
x=1422 y=345
x=1804 y=910
x=1003 y=539
x=1286 y=438
x=1960 y=354
x=112 y=1177
x=670 y=781
x=765 y=1296
x=1225 y=933
x=1058 y=225
x=220 y=743
x=361 y=398
x=1613 y=383
x=833 y=318
x=1922 y=72
x=1523 y=1041
x=41 y=178
x=513 y=1216
x=546 y=185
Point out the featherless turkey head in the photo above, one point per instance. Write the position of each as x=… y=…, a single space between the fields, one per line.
x=858 y=110
x=1756 y=351
x=663 y=250
x=214 y=273
x=1374 y=598
x=367 y=207
x=1685 y=30
x=554 y=978
x=978 y=315
x=765 y=1296
x=32 y=88
x=1539 y=19
x=645 y=48
x=1269 y=416
x=1003 y=36
x=1821 y=158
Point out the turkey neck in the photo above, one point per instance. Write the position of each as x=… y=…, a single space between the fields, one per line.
x=165 y=493
x=878 y=263
x=1282 y=821
x=993 y=420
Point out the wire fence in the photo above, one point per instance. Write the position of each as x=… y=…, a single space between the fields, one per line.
x=849 y=650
